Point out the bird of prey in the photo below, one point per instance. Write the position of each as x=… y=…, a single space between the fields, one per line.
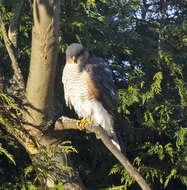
x=89 y=89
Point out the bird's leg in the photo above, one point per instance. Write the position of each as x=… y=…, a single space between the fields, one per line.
x=90 y=118
x=81 y=123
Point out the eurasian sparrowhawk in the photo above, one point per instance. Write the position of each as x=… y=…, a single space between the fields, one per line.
x=89 y=88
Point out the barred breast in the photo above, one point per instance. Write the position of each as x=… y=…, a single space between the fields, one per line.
x=74 y=82
x=76 y=89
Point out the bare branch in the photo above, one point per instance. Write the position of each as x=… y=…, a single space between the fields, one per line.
x=68 y=123
x=13 y=28
x=11 y=53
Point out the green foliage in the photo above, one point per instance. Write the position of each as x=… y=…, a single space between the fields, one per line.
x=128 y=97
x=10 y=149
x=12 y=176
x=7 y=154
x=126 y=178
x=10 y=113
x=45 y=161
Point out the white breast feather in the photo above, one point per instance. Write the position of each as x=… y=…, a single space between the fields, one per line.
x=76 y=88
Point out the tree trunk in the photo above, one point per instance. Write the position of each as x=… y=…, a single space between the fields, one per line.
x=40 y=84
x=40 y=88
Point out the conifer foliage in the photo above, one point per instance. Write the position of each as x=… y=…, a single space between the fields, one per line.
x=145 y=44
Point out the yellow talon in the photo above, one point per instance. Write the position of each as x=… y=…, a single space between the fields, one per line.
x=81 y=124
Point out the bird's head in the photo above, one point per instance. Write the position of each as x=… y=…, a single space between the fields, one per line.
x=76 y=53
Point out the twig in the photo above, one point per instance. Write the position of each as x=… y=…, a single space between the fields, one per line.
x=12 y=56
x=68 y=123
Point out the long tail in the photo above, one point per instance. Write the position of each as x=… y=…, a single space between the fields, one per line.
x=117 y=139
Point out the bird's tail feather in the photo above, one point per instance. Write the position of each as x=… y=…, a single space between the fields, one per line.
x=116 y=143
x=118 y=123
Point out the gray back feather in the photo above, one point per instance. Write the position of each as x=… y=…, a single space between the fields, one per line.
x=102 y=77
